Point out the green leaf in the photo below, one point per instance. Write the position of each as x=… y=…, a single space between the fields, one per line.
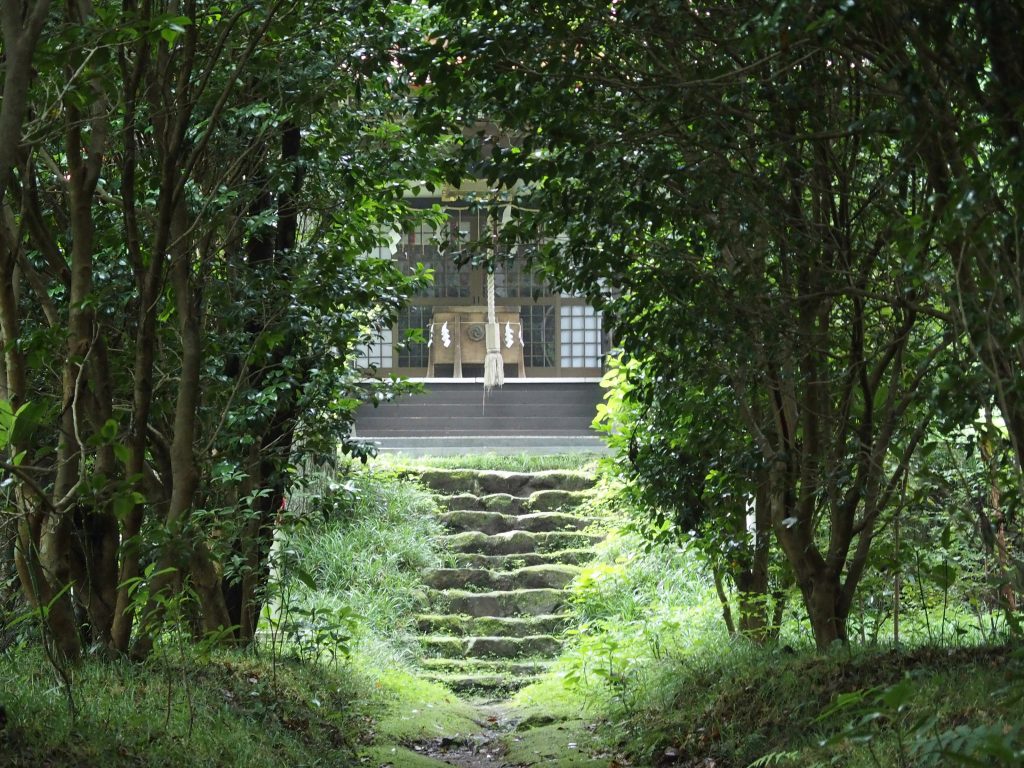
x=27 y=419
x=898 y=696
x=122 y=452
x=6 y=423
x=943 y=575
x=881 y=395
x=125 y=503
x=305 y=577
x=108 y=431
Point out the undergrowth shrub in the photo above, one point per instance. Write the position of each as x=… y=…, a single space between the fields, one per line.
x=649 y=652
x=634 y=606
x=220 y=710
x=364 y=542
x=513 y=462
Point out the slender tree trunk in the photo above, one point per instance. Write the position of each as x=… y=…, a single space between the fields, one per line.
x=269 y=252
x=95 y=535
x=1006 y=593
x=723 y=601
x=205 y=577
x=753 y=584
x=21 y=24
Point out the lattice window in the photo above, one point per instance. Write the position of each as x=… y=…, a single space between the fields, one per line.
x=539 y=335
x=413 y=354
x=581 y=337
x=378 y=351
x=514 y=280
x=420 y=246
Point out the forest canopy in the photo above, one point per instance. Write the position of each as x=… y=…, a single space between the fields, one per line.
x=801 y=221
x=190 y=193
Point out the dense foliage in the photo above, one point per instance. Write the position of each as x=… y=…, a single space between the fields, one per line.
x=801 y=220
x=189 y=194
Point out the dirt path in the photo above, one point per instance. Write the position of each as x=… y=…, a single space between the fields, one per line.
x=482 y=750
x=509 y=738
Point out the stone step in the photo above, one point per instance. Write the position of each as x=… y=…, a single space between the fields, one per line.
x=510 y=626
x=539 y=501
x=465 y=666
x=556 y=499
x=451 y=647
x=528 y=577
x=572 y=556
x=519 y=602
x=483 y=482
x=517 y=542
x=481 y=684
x=495 y=522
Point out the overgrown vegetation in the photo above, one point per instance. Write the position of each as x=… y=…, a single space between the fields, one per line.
x=651 y=660
x=364 y=541
x=185 y=276
x=222 y=710
x=789 y=259
x=328 y=681
x=523 y=462
x=801 y=221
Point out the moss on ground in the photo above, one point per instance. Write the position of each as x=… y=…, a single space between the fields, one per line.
x=232 y=709
x=564 y=744
x=394 y=756
x=418 y=710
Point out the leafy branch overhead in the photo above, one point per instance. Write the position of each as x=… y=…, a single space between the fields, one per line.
x=192 y=189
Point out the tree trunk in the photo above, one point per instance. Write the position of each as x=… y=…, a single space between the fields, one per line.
x=723 y=601
x=828 y=619
x=268 y=251
x=21 y=27
x=753 y=585
x=173 y=562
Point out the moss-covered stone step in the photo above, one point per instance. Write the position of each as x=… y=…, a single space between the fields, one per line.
x=518 y=542
x=555 y=499
x=482 y=684
x=505 y=626
x=460 y=501
x=494 y=502
x=518 y=602
x=572 y=556
x=464 y=666
x=538 y=501
x=451 y=647
x=479 y=482
x=496 y=522
x=554 y=576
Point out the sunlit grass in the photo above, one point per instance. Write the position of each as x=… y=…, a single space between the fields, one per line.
x=226 y=710
x=366 y=548
x=524 y=462
x=648 y=654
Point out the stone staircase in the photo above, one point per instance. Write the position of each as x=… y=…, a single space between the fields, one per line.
x=516 y=540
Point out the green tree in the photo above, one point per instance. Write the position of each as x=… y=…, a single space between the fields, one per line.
x=724 y=183
x=957 y=75
x=186 y=239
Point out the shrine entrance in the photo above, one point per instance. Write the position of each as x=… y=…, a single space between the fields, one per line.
x=544 y=333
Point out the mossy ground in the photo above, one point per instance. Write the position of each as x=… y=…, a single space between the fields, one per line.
x=418 y=710
x=228 y=710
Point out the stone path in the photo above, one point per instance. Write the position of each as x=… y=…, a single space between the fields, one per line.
x=516 y=540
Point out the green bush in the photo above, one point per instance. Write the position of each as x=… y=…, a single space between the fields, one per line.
x=363 y=543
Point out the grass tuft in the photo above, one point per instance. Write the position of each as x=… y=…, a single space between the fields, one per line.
x=227 y=710
x=366 y=547
x=523 y=462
